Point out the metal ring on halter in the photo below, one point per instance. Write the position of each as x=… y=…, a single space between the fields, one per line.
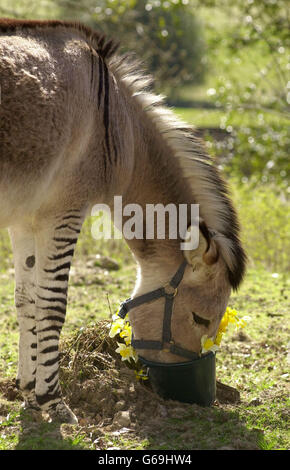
x=173 y=293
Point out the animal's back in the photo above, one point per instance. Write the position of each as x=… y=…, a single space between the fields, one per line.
x=45 y=80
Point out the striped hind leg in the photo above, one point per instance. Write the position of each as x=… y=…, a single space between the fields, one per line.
x=22 y=239
x=55 y=243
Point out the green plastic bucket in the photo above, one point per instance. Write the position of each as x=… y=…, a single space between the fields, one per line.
x=188 y=382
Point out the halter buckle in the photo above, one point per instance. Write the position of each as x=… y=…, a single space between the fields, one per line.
x=167 y=346
x=173 y=292
x=123 y=309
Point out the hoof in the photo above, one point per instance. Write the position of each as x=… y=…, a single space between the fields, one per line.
x=30 y=404
x=31 y=415
x=62 y=414
x=31 y=412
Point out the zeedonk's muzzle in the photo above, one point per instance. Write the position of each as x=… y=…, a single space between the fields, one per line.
x=193 y=381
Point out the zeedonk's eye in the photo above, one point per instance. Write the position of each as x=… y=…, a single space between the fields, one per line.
x=199 y=320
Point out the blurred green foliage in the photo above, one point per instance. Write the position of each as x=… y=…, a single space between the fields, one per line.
x=256 y=153
x=254 y=77
x=165 y=34
x=171 y=37
x=265 y=221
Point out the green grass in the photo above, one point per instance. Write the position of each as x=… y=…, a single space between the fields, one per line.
x=255 y=363
x=199 y=117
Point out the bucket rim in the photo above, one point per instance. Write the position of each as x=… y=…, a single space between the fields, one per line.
x=176 y=364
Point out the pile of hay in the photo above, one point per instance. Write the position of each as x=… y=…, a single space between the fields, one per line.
x=98 y=385
x=104 y=390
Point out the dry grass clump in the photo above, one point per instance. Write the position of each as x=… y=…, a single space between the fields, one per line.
x=95 y=381
x=97 y=384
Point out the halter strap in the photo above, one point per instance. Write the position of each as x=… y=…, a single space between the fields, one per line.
x=128 y=304
x=167 y=343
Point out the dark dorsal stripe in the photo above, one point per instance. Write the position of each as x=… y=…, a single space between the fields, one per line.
x=101 y=73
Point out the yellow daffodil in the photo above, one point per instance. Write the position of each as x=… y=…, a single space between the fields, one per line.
x=141 y=375
x=218 y=338
x=230 y=316
x=208 y=344
x=126 y=334
x=126 y=352
x=117 y=325
x=116 y=328
x=123 y=328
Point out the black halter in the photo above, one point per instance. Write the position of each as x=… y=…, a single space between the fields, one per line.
x=167 y=344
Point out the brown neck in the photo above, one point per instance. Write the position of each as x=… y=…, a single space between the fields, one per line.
x=156 y=179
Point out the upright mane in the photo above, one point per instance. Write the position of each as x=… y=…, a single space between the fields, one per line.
x=208 y=188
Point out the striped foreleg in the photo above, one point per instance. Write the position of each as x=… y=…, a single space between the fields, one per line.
x=54 y=250
x=24 y=261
